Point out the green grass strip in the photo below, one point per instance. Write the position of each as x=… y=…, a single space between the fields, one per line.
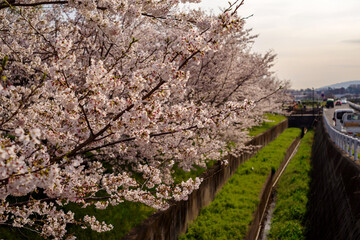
x=229 y=215
x=288 y=220
x=271 y=120
x=123 y=217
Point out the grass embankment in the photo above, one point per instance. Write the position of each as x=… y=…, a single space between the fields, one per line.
x=270 y=121
x=230 y=214
x=123 y=217
x=288 y=220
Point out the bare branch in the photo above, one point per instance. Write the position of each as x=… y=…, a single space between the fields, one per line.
x=86 y=119
x=133 y=138
x=10 y=3
x=265 y=97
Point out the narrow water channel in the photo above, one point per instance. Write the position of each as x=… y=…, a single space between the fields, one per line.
x=266 y=222
x=268 y=216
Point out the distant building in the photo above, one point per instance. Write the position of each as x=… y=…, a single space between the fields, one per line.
x=340 y=95
x=300 y=97
x=354 y=86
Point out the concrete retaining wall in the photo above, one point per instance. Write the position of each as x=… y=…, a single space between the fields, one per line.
x=334 y=203
x=171 y=223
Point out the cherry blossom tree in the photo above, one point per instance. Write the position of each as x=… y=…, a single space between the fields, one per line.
x=99 y=99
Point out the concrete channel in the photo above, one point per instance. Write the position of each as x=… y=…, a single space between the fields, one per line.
x=266 y=213
x=264 y=227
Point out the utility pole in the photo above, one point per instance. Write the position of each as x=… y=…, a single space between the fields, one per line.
x=313 y=101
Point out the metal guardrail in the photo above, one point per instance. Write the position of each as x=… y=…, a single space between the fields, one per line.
x=347 y=143
x=354 y=106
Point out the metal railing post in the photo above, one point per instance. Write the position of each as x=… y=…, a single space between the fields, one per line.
x=356 y=143
x=350 y=144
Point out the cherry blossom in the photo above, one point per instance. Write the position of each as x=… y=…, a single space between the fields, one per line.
x=100 y=99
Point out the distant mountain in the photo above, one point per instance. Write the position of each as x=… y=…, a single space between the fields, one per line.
x=340 y=85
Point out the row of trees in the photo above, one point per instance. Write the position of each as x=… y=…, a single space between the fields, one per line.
x=100 y=99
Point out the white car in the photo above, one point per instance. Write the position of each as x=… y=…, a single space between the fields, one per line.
x=351 y=124
x=338 y=114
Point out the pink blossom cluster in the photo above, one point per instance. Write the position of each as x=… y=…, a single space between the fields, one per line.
x=101 y=100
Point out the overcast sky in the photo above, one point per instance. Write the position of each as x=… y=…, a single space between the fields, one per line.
x=317 y=42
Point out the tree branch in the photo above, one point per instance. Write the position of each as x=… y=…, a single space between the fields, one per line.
x=133 y=138
x=269 y=95
x=86 y=119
